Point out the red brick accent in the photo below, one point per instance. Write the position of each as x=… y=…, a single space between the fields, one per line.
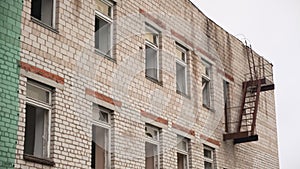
x=183 y=129
x=155 y=118
x=190 y=43
x=42 y=72
x=213 y=141
x=205 y=53
x=228 y=76
x=182 y=38
x=103 y=97
x=152 y=18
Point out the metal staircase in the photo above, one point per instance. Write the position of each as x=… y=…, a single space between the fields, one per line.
x=259 y=79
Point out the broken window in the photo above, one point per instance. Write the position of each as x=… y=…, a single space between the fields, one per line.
x=43 y=10
x=37 y=124
x=208 y=157
x=182 y=153
x=152 y=50
x=103 y=27
x=206 y=80
x=100 y=138
x=152 y=147
x=181 y=70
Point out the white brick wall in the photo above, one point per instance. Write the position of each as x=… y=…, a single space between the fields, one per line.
x=70 y=55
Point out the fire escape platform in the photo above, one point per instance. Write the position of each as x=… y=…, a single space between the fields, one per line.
x=266 y=84
x=246 y=139
x=240 y=137
x=267 y=87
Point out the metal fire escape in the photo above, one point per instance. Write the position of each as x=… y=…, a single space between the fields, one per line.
x=259 y=79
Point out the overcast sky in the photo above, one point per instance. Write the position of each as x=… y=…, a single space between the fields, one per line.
x=273 y=28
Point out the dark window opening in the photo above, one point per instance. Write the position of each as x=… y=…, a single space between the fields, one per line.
x=43 y=11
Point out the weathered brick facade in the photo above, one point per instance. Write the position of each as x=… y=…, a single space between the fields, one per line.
x=63 y=57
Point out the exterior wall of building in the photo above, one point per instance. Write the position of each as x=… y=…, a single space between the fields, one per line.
x=65 y=59
x=10 y=23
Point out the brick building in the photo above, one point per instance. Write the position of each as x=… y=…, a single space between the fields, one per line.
x=130 y=84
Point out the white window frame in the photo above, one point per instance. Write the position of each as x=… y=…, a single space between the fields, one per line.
x=184 y=64
x=53 y=15
x=108 y=20
x=184 y=152
x=43 y=105
x=207 y=78
x=155 y=47
x=105 y=125
x=154 y=142
x=207 y=159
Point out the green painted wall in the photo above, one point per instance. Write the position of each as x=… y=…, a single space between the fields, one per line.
x=10 y=28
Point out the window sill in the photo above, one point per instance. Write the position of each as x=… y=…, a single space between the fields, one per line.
x=206 y=106
x=209 y=108
x=39 y=22
x=105 y=56
x=45 y=161
x=183 y=94
x=154 y=80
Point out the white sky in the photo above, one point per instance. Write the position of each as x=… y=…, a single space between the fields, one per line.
x=273 y=28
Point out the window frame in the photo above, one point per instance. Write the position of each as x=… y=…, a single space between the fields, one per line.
x=183 y=152
x=106 y=126
x=109 y=20
x=41 y=104
x=183 y=64
x=207 y=159
x=208 y=80
x=53 y=17
x=153 y=142
x=226 y=95
x=154 y=46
